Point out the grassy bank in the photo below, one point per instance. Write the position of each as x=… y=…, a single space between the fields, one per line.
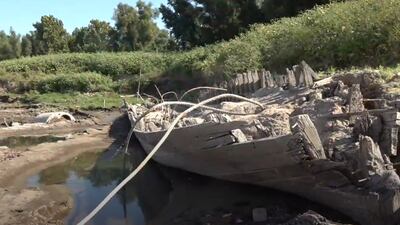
x=76 y=100
x=353 y=33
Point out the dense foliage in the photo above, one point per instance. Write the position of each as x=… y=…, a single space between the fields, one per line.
x=80 y=82
x=200 y=22
x=93 y=38
x=135 y=29
x=49 y=36
x=353 y=33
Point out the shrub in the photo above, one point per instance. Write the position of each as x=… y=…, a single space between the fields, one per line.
x=80 y=82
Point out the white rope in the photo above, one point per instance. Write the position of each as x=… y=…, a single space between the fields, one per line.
x=151 y=154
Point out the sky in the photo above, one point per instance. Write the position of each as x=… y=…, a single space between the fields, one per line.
x=21 y=14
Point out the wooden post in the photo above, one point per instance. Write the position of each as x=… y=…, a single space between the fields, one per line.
x=291 y=79
x=240 y=84
x=261 y=77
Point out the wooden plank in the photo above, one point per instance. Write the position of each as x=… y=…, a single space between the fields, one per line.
x=262 y=78
x=236 y=86
x=303 y=126
x=256 y=81
x=308 y=73
x=250 y=82
x=246 y=83
x=291 y=79
x=298 y=75
x=270 y=82
x=240 y=84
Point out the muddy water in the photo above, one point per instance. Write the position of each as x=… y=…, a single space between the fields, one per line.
x=25 y=141
x=161 y=196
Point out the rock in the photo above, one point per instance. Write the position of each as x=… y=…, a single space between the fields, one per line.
x=341 y=90
x=3 y=148
x=368 y=125
x=370 y=157
x=259 y=214
x=315 y=95
x=15 y=124
x=370 y=82
x=151 y=127
x=239 y=136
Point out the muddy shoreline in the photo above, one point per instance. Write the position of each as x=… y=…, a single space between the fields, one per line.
x=20 y=204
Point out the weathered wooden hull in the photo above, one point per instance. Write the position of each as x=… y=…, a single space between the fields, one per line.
x=205 y=149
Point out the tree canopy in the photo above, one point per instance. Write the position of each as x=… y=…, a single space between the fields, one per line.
x=200 y=22
x=50 y=36
x=135 y=28
x=93 y=38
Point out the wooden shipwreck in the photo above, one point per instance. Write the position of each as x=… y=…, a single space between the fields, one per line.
x=317 y=140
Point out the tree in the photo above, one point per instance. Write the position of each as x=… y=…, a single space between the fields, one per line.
x=97 y=37
x=183 y=18
x=50 y=36
x=93 y=38
x=10 y=45
x=6 y=51
x=77 y=40
x=200 y=22
x=15 y=43
x=26 y=45
x=164 y=42
x=134 y=27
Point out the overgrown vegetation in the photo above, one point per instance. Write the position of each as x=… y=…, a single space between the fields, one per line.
x=88 y=82
x=354 y=33
x=77 y=100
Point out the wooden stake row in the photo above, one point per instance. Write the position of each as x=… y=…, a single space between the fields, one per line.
x=301 y=75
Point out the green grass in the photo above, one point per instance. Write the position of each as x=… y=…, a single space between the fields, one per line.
x=340 y=35
x=77 y=100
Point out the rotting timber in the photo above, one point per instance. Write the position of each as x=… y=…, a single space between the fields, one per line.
x=318 y=139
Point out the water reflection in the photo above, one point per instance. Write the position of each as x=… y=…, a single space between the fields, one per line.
x=162 y=196
x=91 y=176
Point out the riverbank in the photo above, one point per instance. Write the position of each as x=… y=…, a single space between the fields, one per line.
x=26 y=155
